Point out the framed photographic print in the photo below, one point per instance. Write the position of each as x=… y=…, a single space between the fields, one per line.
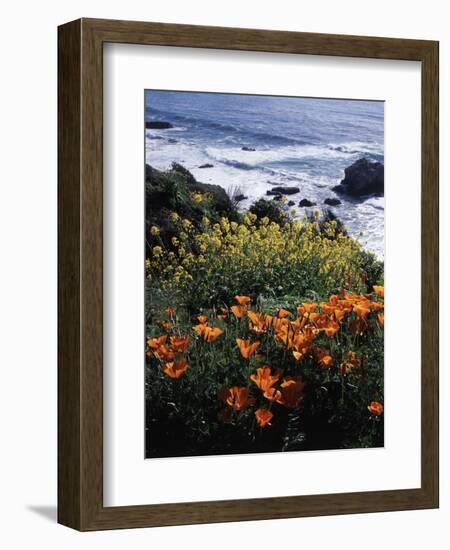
x=248 y=274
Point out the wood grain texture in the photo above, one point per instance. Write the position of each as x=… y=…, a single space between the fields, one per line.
x=69 y=244
x=80 y=398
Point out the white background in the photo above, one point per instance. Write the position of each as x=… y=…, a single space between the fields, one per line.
x=28 y=274
x=128 y=479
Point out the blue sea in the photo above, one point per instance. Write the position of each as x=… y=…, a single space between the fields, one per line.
x=302 y=142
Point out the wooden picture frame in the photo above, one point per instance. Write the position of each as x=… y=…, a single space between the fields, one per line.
x=80 y=272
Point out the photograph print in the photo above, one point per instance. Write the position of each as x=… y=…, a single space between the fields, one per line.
x=264 y=274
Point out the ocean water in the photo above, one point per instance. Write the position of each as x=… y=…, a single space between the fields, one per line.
x=302 y=142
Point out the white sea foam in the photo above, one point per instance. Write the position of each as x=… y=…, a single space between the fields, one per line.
x=364 y=220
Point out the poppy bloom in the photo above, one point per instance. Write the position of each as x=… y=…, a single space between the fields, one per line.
x=236 y=397
x=339 y=314
x=379 y=291
x=264 y=379
x=324 y=358
x=164 y=353
x=246 y=348
x=208 y=333
x=202 y=319
x=180 y=344
x=263 y=417
x=242 y=300
x=170 y=311
x=331 y=328
x=239 y=311
x=292 y=391
x=154 y=343
x=212 y=333
x=375 y=408
x=282 y=313
x=258 y=322
x=361 y=311
x=307 y=308
x=380 y=318
x=175 y=369
x=272 y=394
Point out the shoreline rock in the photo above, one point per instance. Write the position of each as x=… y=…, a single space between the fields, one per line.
x=307 y=203
x=332 y=201
x=362 y=178
x=283 y=190
x=158 y=125
x=247 y=148
x=207 y=165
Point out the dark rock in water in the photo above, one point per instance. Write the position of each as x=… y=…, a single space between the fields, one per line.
x=171 y=140
x=363 y=177
x=247 y=148
x=240 y=197
x=277 y=198
x=291 y=203
x=332 y=202
x=207 y=165
x=158 y=125
x=283 y=191
x=306 y=202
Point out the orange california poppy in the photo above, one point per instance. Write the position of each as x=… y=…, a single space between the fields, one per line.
x=247 y=348
x=307 y=308
x=379 y=291
x=323 y=357
x=292 y=391
x=202 y=319
x=208 y=333
x=154 y=343
x=361 y=310
x=258 y=322
x=264 y=379
x=180 y=344
x=164 y=353
x=212 y=333
x=380 y=318
x=176 y=369
x=242 y=300
x=282 y=313
x=263 y=417
x=339 y=314
x=375 y=408
x=166 y=326
x=272 y=394
x=235 y=397
x=239 y=311
x=331 y=328
x=170 y=311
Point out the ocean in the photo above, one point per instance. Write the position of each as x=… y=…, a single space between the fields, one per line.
x=302 y=142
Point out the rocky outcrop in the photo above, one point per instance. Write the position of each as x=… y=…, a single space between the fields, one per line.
x=158 y=125
x=283 y=190
x=247 y=148
x=207 y=165
x=306 y=202
x=362 y=178
x=171 y=192
x=332 y=202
